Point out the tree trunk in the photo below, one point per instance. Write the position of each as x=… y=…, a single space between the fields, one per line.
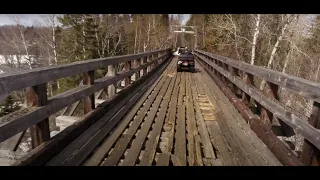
x=274 y=50
x=254 y=42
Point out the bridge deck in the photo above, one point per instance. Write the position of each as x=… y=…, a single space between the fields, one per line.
x=177 y=119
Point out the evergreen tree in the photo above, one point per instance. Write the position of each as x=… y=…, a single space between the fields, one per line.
x=8 y=106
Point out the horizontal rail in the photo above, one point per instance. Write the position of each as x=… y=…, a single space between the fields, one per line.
x=295 y=84
x=278 y=148
x=38 y=111
x=299 y=124
x=15 y=81
x=43 y=153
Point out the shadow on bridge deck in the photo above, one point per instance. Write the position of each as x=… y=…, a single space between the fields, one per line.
x=177 y=119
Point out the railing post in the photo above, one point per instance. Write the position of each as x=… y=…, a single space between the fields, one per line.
x=36 y=97
x=310 y=155
x=271 y=91
x=136 y=64
x=127 y=68
x=112 y=88
x=88 y=79
x=149 y=59
x=144 y=70
x=247 y=79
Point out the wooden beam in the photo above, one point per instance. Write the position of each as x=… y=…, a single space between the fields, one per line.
x=58 y=102
x=282 y=152
x=127 y=67
x=298 y=123
x=43 y=153
x=295 y=84
x=310 y=155
x=37 y=97
x=28 y=78
x=88 y=79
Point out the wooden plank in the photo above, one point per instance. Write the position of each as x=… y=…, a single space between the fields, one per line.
x=298 y=123
x=207 y=145
x=56 y=103
x=100 y=153
x=284 y=155
x=112 y=87
x=164 y=159
x=88 y=79
x=90 y=137
x=310 y=155
x=295 y=84
x=36 y=97
x=247 y=148
x=152 y=143
x=198 y=155
x=63 y=156
x=127 y=79
x=134 y=151
x=46 y=151
x=170 y=121
x=12 y=143
x=216 y=94
x=191 y=122
x=28 y=78
x=172 y=112
x=122 y=144
x=180 y=157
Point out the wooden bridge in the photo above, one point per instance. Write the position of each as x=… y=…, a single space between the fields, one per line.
x=161 y=117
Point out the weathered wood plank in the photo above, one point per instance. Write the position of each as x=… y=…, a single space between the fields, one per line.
x=284 y=154
x=171 y=121
x=90 y=138
x=13 y=142
x=58 y=102
x=191 y=122
x=298 y=85
x=28 y=78
x=43 y=153
x=239 y=123
x=298 y=123
x=198 y=156
x=208 y=147
x=164 y=159
x=180 y=156
x=122 y=144
x=152 y=143
x=310 y=155
x=36 y=97
x=134 y=151
x=98 y=156
x=88 y=79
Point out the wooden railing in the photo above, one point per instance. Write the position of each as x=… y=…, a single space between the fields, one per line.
x=233 y=76
x=40 y=107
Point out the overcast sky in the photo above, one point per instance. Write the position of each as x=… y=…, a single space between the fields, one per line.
x=30 y=19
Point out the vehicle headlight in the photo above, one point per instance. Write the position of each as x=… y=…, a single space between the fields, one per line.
x=179 y=62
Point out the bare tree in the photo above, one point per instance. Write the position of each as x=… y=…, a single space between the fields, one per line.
x=23 y=39
x=286 y=21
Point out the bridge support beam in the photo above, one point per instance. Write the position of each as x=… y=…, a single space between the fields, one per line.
x=36 y=97
x=310 y=155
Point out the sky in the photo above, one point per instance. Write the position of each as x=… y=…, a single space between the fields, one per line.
x=31 y=19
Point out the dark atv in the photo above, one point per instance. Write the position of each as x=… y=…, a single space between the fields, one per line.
x=186 y=61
